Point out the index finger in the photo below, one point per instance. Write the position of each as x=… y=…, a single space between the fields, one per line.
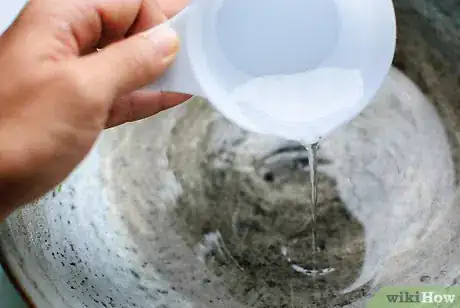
x=172 y=7
x=79 y=26
x=147 y=15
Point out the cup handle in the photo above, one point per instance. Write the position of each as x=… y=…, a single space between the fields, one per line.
x=179 y=77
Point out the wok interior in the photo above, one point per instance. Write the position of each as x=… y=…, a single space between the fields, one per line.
x=188 y=208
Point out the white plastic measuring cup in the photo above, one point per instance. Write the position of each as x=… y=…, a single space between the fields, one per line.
x=292 y=68
x=8 y=12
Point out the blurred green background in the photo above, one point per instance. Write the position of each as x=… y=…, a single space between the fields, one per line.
x=9 y=298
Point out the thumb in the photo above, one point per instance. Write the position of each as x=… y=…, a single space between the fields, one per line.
x=130 y=64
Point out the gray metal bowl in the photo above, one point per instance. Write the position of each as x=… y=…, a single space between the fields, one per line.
x=187 y=210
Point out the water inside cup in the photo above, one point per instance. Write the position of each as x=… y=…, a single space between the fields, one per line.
x=300 y=97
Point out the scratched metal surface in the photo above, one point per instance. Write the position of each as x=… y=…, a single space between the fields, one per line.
x=133 y=225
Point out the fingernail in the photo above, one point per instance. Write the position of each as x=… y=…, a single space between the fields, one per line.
x=165 y=40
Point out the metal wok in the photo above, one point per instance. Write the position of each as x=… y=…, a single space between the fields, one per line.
x=187 y=210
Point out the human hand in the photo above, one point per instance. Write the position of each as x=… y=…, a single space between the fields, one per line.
x=57 y=93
